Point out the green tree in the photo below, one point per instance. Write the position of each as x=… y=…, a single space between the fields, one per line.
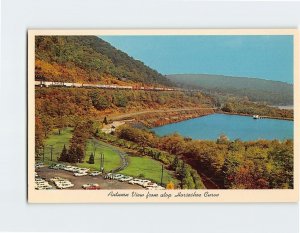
x=64 y=157
x=92 y=159
x=228 y=107
x=105 y=121
x=72 y=156
x=99 y=102
x=79 y=154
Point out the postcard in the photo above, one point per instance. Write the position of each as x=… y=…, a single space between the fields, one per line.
x=163 y=116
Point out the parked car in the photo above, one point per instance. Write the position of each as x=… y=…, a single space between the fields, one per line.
x=136 y=181
x=56 y=179
x=118 y=176
x=108 y=176
x=68 y=168
x=153 y=185
x=95 y=173
x=126 y=178
x=64 y=185
x=60 y=166
x=83 y=169
x=145 y=182
x=86 y=186
x=39 y=165
x=80 y=174
x=93 y=188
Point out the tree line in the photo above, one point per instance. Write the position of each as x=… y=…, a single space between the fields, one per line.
x=81 y=133
x=261 y=164
x=188 y=176
x=246 y=107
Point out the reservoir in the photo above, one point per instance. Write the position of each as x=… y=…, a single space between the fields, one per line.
x=245 y=128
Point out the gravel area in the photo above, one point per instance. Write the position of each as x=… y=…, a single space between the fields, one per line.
x=48 y=173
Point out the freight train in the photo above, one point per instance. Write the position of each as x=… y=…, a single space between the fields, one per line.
x=102 y=86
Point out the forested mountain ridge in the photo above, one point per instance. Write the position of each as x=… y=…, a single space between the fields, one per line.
x=257 y=90
x=89 y=59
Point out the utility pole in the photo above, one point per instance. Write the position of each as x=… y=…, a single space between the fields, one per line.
x=51 y=148
x=43 y=153
x=162 y=174
x=101 y=162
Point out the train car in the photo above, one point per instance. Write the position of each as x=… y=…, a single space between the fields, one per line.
x=41 y=83
x=89 y=85
x=77 y=85
x=38 y=83
x=68 y=84
x=125 y=87
x=56 y=84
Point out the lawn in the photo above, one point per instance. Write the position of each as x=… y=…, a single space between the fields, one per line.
x=138 y=166
x=112 y=159
x=147 y=168
x=57 y=141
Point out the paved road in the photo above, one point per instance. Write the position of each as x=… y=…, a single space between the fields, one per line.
x=48 y=173
x=122 y=154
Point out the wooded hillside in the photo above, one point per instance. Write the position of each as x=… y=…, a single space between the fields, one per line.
x=89 y=59
x=257 y=90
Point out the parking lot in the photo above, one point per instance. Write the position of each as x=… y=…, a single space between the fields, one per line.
x=47 y=174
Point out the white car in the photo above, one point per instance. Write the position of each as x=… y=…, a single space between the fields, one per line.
x=144 y=182
x=126 y=178
x=76 y=169
x=68 y=168
x=95 y=173
x=64 y=185
x=135 y=181
x=56 y=179
x=61 y=184
x=83 y=169
x=39 y=165
x=148 y=185
x=109 y=176
x=80 y=174
x=118 y=176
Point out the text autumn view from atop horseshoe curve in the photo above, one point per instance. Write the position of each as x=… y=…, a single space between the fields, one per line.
x=159 y=112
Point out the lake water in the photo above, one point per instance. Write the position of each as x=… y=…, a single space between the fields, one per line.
x=210 y=127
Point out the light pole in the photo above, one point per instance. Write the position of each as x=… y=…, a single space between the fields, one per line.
x=51 y=150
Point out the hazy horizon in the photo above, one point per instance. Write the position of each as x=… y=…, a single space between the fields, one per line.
x=261 y=57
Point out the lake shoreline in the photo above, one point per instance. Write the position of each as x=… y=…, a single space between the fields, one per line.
x=250 y=115
x=234 y=126
x=211 y=113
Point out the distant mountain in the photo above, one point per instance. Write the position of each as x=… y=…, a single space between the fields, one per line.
x=89 y=59
x=257 y=90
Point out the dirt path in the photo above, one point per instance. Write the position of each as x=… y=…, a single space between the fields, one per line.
x=121 y=116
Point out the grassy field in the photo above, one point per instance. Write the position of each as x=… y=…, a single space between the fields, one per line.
x=148 y=168
x=111 y=158
x=138 y=166
x=57 y=141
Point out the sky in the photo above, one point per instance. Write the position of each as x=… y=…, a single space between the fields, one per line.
x=266 y=57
